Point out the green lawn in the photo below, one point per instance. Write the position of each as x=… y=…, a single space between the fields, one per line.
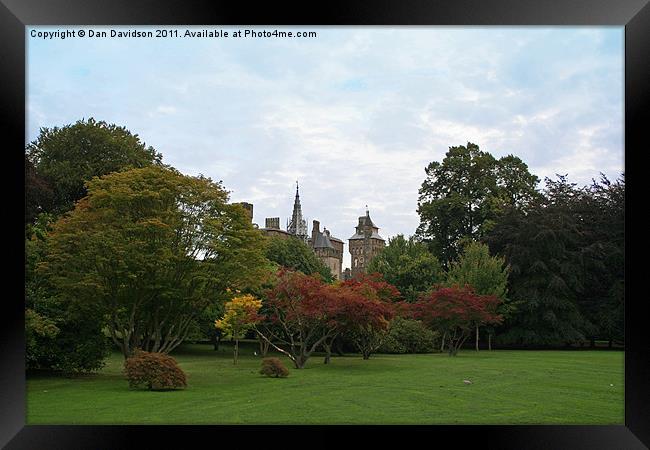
x=508 y=387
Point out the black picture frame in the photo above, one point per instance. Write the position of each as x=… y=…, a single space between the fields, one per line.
x=15 y=15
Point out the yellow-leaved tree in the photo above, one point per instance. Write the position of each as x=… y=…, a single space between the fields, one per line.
x=240 y=316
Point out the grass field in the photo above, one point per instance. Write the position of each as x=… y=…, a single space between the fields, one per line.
x=508 y=387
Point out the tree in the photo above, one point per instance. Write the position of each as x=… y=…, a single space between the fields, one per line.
x=408 y=265
x=240 y=316
x=366 y=308
x=543 y=248
x=37 y=327
x=463 y=196
x=454 y=311
x=300 y=314
x=59 y=336
x=602 y=214
x=39 y=194
x=567 y=257
x=63 y=159
x=294 y=254
x=150 y=249
x=487 y=275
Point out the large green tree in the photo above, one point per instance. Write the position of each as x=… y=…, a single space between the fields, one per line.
x=545 y=250
x=602 y=229
x=60 y=336
x=462 y=197
x=408 y=265
x=151 y=249
x=63 y=159
x=294 y=254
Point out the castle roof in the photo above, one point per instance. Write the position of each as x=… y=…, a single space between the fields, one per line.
x=322 y=241
x=366 y=222
x=374 y=235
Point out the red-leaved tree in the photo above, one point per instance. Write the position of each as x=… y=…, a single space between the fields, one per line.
x=301 y=312
x=455 y=311
x=366 y=310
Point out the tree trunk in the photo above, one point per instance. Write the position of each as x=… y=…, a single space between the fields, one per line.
x=215 y=341
x=300 y=361
x=328 y=353
x=442 y=345
x=490 y=341
x=477 y=338
x=236 y=352
x=264 y=346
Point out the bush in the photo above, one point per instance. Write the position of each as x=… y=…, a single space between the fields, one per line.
x=409 y=336
x=156 y=371
x=273 y=367
x=69 y=345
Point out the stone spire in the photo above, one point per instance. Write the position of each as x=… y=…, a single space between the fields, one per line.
x=297 y=225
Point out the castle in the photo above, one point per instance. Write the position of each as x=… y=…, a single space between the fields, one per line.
x=364 y=244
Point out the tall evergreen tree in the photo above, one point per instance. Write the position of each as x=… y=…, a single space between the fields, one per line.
x=602 y=219
x=544 y=248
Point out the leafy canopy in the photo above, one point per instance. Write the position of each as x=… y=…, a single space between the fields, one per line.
x=455 y=311
x=61 y=160
x=408 y=265
x=566 y=256
x=150 y=249
x=240 y=316
x=487 y=275
x=294 y=254
x=462 y=197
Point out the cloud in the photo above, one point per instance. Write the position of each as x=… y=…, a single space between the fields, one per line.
x=355 y=114
x=164 y=110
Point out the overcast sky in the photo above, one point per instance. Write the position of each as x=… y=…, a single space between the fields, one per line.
x=354 y=114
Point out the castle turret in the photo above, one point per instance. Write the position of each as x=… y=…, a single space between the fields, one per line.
x=315 y=230
x=365 y=244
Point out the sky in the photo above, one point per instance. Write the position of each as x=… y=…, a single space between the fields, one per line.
x=354 y=114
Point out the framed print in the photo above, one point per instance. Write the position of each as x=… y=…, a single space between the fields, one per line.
x=374 y=218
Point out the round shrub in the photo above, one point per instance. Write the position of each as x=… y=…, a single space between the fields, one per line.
x=155 y=371
x=409 y=336
x=273 y=367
